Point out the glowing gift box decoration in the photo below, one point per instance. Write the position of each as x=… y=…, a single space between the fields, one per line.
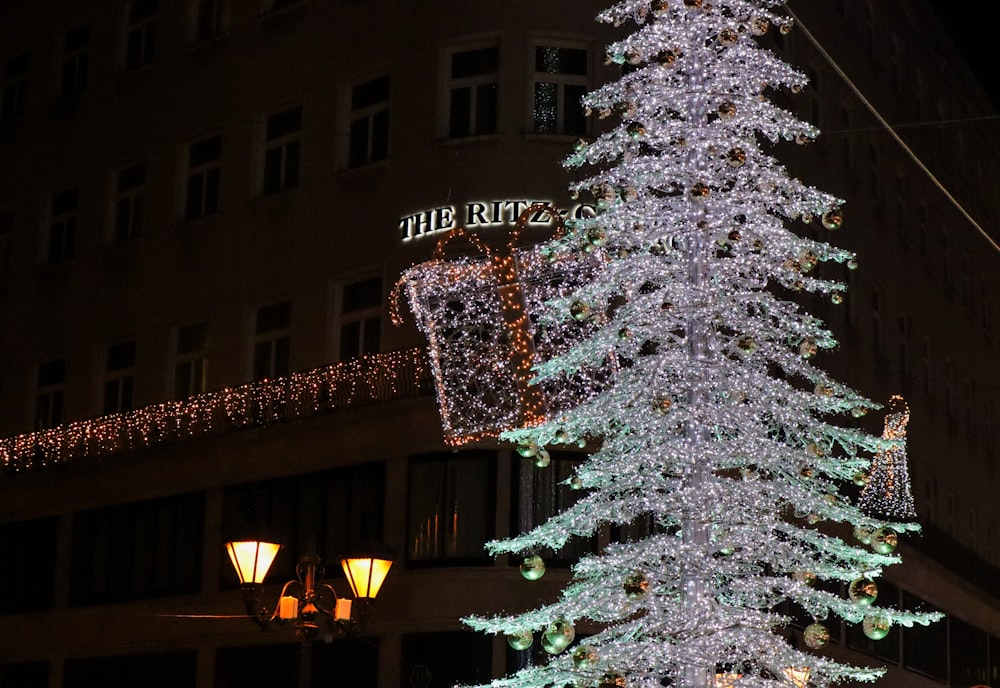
x=476 y=312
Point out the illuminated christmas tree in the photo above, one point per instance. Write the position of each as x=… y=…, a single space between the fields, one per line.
x=718 y=431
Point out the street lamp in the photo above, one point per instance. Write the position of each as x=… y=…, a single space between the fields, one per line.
x=307 y=600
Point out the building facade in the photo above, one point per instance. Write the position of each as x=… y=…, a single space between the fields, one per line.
x=204 y=208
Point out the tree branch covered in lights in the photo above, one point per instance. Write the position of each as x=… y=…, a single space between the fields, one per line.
x=720 y=440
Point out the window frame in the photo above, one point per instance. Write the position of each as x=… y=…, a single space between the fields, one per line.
x=52 y=393
x=74 y=63
x=207 y=174
x=377 y=116
x=473 y=82
x=562 y=80
x=274 y=338
x=128 y=204
x=196 y=359
x=64 y=221
x=139 y=35
x=366 y=316
x=13 y=95
x=285 y=144
x=120 y=379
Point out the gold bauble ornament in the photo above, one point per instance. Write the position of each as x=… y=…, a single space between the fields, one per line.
x=612 y=679
x=759 y=26
x=823 y=390
x=816 y=636
x=836 y=298
x=736 y=157
x=727 y=110
x=666 y=58
x=859 y=411
x=734 y=235
x=876 y=626
x=663 y=403
x=659 y=7
x=635 y=130
x=863 y=535
x=863 y=591
x=596 y=236
x=785 y=28
x=728 y=37
x=692 y=4
x=700 y=190
x=746 y=345
x=579 y=310
x=635 y=585
x=804 y=576
x=833 y=219
x=807 y=349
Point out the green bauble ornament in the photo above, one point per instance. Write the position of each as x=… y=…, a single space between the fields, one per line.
x=520 y=641
x=884 y=541
x=876 y=626
x=584 y=657
x=527 y=448
x=859 y=412
x=861 y=479
x=815 y=636
x=807 y=349
x=635 y=585
x=596 y=236
x=533 y=567
x=575 y=483
x=558 y=636
x=863 y=535
x=863 y=591
x=542 y=458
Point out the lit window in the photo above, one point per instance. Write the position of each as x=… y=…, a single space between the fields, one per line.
x=282 y=150
x=472 y=105
x=360 y=318
x=50 y=391
x=129 y=210
x=62 y=226
x=75 y=62
x=119 y=379
x=190 y=360
x=272 y=341
x=204 y=171
x=140 y=37
x=15 y=86
x=560 y=83
x=369 y=132
x=451 y=514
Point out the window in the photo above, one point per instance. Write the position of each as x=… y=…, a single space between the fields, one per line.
x=129 y=209
x=62 y=226
x=34 y=541
x=451 y=512
x=543 y=493
x=343 y=662
x=163 y=670
x=272 y=340
x=140 y=36
x=25 y=675
x=190 y=360
x=137 y=551
x=119 y=378
x=204 y=171
x=206 y=19
x=445 y=659
x=360 y=318
x=472 y=105
x=926 y=646
x=369 y=132
x=15 y=86
x=75 y=62
x=50 y=389
x=328 y=512
x=560 y=82
x=282 y=150
x=6 y=245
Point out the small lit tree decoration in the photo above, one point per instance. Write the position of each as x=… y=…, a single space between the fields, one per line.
x=887 y=491
x=477 y=315
x=717 y=446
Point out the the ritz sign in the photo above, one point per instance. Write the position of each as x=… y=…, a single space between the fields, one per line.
x=479 y=214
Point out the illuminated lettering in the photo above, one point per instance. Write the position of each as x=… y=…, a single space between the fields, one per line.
x=477 y=214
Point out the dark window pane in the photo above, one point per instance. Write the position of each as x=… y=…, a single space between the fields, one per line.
x=373 y=336
x=32 y=585
x=195 y=197
x=926 y=646
x=64 y=201
x=167 y=670
x=560 y=60
x=284 y=123
x=205 y=151
x=132 y=177
x=52 y=373
x=211 y=204
x=968 y=647
x=361 y=295
x=292 y=155
x=370 y=93
x=574 y=121
x=358 y=152
x=276 y=316
x=281 y=356
x=486 y=109
x=460 y=112
x=77 y=38
x=380 y=135
x=474 y=62
x=272 y=169
x=25 y=675
x=446 y=659
x=350 y=340
x=191 y=338
x=142 y=9
x=121 y=356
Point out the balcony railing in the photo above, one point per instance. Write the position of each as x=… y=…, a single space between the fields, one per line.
x=349 y=384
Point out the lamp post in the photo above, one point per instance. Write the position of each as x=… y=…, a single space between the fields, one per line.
x=307 y=600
